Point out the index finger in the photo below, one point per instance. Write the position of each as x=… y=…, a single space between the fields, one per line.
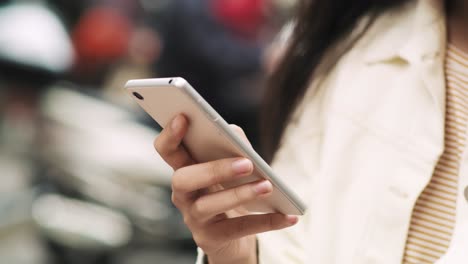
x=169 y=143
x=205 y=175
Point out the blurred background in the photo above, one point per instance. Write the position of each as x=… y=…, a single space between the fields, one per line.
x=80 y=180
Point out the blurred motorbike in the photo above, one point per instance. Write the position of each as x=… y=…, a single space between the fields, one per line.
x=98 y=193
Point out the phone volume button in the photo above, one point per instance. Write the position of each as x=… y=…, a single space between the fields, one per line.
x=466 y=193
x=212 y=116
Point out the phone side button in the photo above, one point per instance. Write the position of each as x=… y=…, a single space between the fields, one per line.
x=466 y=193
x=213 y=116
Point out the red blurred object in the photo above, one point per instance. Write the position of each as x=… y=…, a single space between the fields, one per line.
x=244 y=16
x=101 y=36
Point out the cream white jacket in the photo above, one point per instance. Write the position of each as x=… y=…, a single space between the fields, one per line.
x=362 y=147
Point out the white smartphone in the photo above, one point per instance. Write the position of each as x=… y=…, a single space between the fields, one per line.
x=210 y=138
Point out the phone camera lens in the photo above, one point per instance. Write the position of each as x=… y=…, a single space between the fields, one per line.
x=139 y=96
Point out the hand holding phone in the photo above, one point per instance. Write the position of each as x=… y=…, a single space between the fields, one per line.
x=220 y=183
x=210 y=138
x=218 y=220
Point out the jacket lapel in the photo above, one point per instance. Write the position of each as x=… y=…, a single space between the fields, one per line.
x=420 y=41
x=426 y=50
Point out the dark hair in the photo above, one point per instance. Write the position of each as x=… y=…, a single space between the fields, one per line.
x=320 y=24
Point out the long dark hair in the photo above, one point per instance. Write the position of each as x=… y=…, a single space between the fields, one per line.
x=320 y=24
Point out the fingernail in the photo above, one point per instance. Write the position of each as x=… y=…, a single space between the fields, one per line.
x=292 y=219
x=242 y=166
x=176 y=123
x=263 y=187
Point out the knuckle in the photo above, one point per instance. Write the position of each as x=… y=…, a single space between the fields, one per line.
x=159 y=145
x=242 y=225
x=177 y=201
x=271 y=222
x=216 y=174
x=177 y=183
x=201 y=241
x=275 y=221
x=178 y=161
x=240 y=132
x=174 y=199
x=237 y=128
x=268 y=222
x=237 y=193
x=187 y=220
x=198 y=209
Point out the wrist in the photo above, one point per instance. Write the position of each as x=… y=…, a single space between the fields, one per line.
x=251 y=259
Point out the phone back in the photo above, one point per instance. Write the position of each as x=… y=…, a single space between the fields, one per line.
x=209 y=136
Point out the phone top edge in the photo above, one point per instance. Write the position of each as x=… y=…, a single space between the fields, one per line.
x=179 y=82
x=174 y=81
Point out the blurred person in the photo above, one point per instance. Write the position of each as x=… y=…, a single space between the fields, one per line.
x=114 y=43
x=144 y=49
x=101 y=39
x=214 y=45
x=246 y=18
x=366 y=118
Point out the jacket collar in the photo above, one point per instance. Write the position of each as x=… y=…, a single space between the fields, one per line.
x=414 y=34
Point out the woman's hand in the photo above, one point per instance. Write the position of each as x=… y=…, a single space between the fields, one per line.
x=218 y=222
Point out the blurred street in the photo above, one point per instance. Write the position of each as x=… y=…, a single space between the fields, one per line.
x=81 y=181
